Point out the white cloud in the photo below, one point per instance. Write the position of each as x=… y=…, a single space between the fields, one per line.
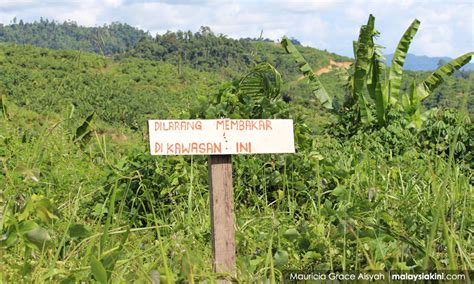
x=446 y=29
x=355 y=13
x=113 y=3
x=306 y=6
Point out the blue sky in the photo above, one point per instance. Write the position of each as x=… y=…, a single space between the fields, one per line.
x=447 y=27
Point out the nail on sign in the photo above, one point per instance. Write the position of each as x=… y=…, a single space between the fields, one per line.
x=221 y=136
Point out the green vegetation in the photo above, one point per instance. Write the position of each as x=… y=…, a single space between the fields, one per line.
x=215 y=53
x=371 y=83
x=108 y=39
x=125 y=93
x=81 y=198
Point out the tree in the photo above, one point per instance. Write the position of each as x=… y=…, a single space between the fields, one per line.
x=371 y=76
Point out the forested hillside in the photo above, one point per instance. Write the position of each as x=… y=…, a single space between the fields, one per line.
x=108 y=39
x=125 y=93
x=204 y=50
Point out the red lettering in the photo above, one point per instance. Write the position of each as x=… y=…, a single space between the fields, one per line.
x=158 y=147
x=185 y=150
x=243 y=147
x=254 y=125
x=268 y=124
x=221 y=123
x=227 y=124
x=198 y=125
x=217 y=148
x=169 y=148
x=194 y=147
x=202 y=148
x=234 y=124
x=248 y=124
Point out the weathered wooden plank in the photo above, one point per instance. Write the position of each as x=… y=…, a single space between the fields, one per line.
x=222 y=213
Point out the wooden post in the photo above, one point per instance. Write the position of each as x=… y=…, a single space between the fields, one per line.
x=222 y=213
x=221 y=138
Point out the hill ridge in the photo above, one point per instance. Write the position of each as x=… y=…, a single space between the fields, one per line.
x=425 y=63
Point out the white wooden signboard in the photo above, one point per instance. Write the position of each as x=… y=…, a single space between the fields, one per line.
x=221 y=136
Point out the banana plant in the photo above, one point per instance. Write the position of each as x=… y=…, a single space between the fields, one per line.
x=382 y=84
x=383 y=88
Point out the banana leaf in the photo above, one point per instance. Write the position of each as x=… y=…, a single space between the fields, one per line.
x=412 y=106
x=316 y=86
x=396 y=70
x=262 y=81
x=425 y=88
x=377 y=89
x=365 y=49
x=354 y=48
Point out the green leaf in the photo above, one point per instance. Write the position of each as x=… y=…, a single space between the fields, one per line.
x=312 y=255
x=110 y=260
x=379 y=92
x=111 y=257
x=98 y=270
x=78 y=231
x=316 y=86
x=262 y=81
x=256 y=261
x=412 y=107
x=39 y=237
x=281 y=258
x=3 y=107
x=83 y=130
x=396 y=69
x=425 y=88
x=9 y=239
x=71 y=279
x=291 y=234
x=27 y=226
x=365 y=49
x=338 y=191
x=354 y=48
x=44 y=209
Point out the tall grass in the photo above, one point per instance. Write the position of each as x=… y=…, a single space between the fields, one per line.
x=121 y=215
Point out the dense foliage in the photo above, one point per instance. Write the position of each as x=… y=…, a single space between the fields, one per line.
x=126 y=92
x=215 y=53
x=202 y=50
x=108 y=39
